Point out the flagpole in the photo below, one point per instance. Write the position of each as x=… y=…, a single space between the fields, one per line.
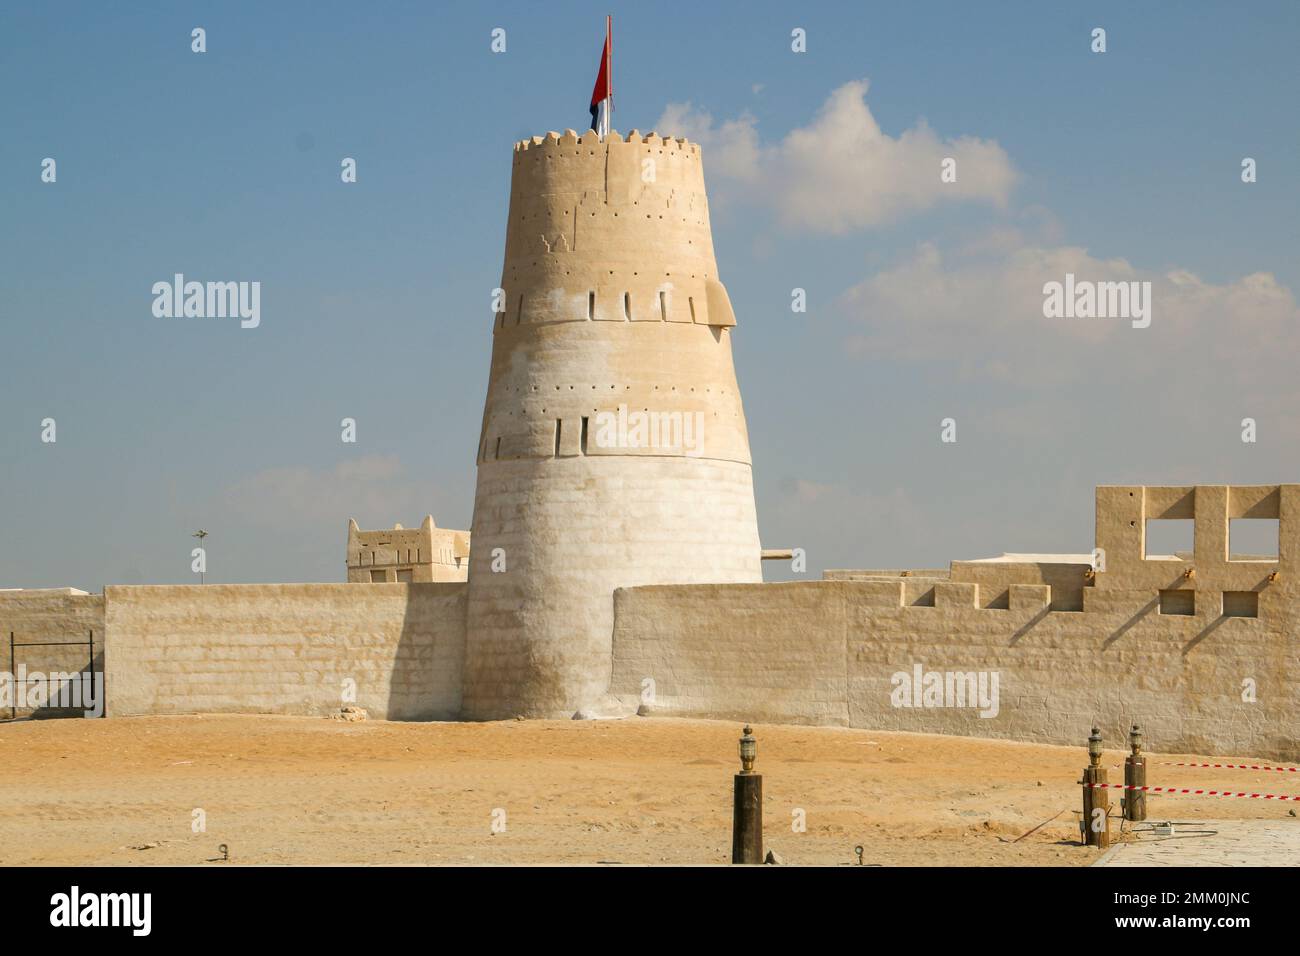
x=602 y=96
x=609 y=42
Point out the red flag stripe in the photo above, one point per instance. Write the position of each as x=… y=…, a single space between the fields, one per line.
x=604 y=88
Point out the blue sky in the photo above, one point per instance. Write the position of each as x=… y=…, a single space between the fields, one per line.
x=375 y=295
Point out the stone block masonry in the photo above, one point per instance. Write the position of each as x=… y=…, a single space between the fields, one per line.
x=286 y=649
x=1217 y=672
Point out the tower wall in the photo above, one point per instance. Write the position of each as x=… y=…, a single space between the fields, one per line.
x=612 y=309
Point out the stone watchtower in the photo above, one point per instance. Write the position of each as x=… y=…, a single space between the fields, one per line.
x=614 y=451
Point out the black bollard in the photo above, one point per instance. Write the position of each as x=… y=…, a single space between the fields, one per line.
x=1096 y=801
x=1135 y=775
x=747 y=810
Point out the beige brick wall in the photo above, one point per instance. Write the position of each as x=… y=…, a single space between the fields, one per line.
x=774 y=652
x=825 y=651
x=286 y=649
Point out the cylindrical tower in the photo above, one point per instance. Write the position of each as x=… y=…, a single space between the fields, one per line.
x=613 y=451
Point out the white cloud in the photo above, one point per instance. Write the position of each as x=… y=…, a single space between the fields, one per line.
x=979 y=308
x=842 y=172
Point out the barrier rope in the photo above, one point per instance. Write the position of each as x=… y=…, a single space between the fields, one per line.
x=1233 y=766
x=1184 y=790
x=1216 y=766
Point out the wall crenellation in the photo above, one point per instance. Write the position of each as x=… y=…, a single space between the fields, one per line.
x=1208 y=662
x=1200 y=646
x=571 y=138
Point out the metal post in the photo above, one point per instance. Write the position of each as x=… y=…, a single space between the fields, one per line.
x=1135 y=775
x=1096 y=801
x=91 y=675
x=747 y=809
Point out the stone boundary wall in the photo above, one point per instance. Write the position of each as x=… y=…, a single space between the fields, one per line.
x=826 y=652
x=286 y=649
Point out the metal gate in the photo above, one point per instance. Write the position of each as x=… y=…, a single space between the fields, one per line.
x=54 y=691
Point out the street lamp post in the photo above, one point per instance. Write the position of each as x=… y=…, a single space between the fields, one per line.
x=201 y=534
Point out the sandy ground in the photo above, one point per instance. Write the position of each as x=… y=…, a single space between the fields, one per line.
x=643 y=790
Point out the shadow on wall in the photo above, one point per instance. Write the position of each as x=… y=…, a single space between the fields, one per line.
x=424 y=682
x=51 y=675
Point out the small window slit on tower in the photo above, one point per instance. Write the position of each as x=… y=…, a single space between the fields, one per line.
x=591 y=305
x=627 y=305
x=691 y=301
x=663 y=306
x=582 y=438
x=558 y=423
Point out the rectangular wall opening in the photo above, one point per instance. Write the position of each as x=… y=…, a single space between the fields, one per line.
x=918 y=593
x=1170 y=539
x=1253 y=539
x=558 y=423
x=1240 y=604
x=663 y=306
x=591 y=305
x=995 y=599
x=627 y=305
x=582 y=439
x=1178 y=601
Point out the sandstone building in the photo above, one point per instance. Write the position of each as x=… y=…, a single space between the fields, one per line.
x=405 y=556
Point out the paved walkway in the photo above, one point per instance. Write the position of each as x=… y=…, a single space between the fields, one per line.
x=1235 y=843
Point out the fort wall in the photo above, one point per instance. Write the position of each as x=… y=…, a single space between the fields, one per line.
x=1199 y=646
x=286 y=649
x=825 y=653
x=1202 y=650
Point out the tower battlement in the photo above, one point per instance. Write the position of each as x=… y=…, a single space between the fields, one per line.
x=636 y=207
x=572 y=138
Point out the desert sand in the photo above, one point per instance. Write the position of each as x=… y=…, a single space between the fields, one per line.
x=297 y=790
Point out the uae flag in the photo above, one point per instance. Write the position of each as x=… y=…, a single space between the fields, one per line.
x=602 y=97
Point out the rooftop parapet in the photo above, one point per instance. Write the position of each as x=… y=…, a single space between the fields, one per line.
x=571 y=138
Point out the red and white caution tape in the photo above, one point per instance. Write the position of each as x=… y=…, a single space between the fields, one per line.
x=1234 y=766
x=1219 y=766
x=1198 y=793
